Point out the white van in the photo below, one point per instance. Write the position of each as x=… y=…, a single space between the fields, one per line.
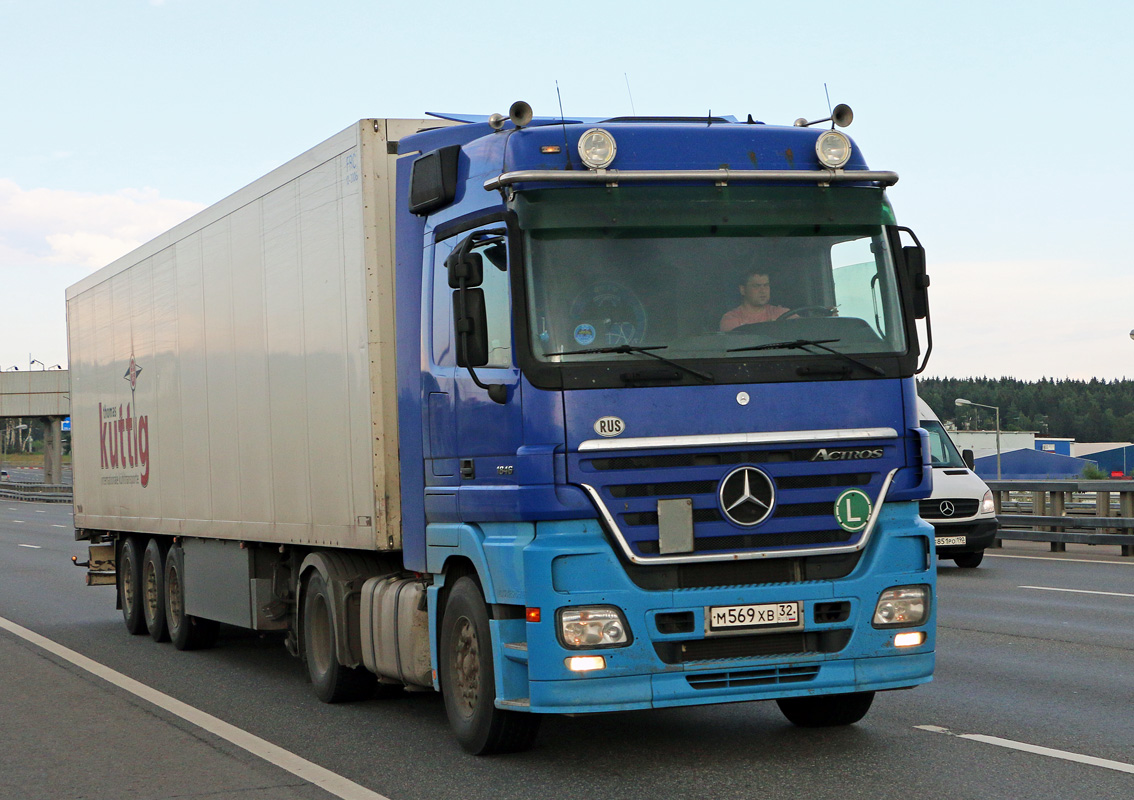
x=961 y=508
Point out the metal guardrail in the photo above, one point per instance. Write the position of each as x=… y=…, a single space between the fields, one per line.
x=36 y=492
x=1062 y=512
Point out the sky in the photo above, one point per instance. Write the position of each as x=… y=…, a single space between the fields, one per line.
x=1009 y=124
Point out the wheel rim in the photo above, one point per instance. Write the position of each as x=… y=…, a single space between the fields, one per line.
x=466 y=667
x=150 y=590
x=320 y=633
x=173 y=590
x=128 y=588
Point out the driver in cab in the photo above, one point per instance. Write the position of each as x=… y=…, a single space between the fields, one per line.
x=756 y=306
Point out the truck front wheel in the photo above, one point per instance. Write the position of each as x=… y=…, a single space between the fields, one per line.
x=468 y=679
x=186 y=631
x=130 y=585
x=826 y=711
x=333 y=681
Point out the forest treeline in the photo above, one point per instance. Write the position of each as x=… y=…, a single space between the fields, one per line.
x=1088 y=411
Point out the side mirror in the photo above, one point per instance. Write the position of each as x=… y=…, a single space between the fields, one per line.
x=914 y=258
x=466 y=266
x=470 y=321
x=967 y=457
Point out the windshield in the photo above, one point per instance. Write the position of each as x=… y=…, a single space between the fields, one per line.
x=709 y=273
x=942 y=451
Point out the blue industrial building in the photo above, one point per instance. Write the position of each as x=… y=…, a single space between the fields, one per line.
x=1034 y=465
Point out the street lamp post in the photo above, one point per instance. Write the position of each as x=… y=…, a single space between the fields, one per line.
x=961 y=402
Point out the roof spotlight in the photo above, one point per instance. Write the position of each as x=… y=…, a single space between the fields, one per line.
x=597 y=148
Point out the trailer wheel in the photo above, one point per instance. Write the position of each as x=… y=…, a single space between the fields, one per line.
x=827 y=710
x=468 y=679
x=153 y=591
x=969 y=560
x=186 y=631
x=333 y=682
x=130 y=585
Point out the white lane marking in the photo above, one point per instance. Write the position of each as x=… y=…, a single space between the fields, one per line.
x=1076 y=591
x=32 y=546
x=300 y=767
x=1046 y=558
x=1033 y=748
x=59 y=526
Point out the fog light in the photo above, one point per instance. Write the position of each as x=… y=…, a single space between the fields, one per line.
x=585 y=663
x=902 y=607
x=909 y=639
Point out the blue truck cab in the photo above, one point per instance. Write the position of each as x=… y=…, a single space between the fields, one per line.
x=659 y=434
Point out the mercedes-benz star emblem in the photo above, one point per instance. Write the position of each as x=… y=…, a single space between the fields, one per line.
x=746 y=496
x=947 y=508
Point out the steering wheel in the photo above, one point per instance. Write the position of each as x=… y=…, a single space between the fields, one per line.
x=808 y=311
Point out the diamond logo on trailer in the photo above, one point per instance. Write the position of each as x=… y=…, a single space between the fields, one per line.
x=124 y=438
x=747 y=496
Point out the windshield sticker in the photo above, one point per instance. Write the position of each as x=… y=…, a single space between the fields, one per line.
x=585 y=334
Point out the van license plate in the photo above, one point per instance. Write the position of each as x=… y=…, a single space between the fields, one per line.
x=777 y=615
x=943 y=541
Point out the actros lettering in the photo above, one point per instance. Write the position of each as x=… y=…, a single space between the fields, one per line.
x=846 y=455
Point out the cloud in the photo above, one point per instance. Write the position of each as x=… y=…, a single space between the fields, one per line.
x=41 y=228
x=1057 y=318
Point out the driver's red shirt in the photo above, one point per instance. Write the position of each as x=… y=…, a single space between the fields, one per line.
x=745 y=314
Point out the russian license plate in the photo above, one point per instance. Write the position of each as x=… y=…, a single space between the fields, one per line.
x=765 y=615
x=944 y=541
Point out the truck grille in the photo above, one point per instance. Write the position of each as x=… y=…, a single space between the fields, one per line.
x=964 y=507
x=630 y=487
x=738 y=679
x=791 y=643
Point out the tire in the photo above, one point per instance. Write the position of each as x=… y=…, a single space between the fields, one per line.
x=826 y=711
x=468 y=679
x=130 y=585
x=153 y=591
x=969 y=560
x=186 y=631
x=333 y=682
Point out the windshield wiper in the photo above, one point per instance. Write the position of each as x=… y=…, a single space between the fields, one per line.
x=629 y=349
x=803 y=344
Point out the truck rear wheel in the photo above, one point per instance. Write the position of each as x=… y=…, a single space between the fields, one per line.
x=153 y=591
x=468 y=679
x=130 y=585
x=333 y=682
x=826 y=711
x=186 y=631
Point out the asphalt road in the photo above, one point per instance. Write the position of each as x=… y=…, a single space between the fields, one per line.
x=1035 y=678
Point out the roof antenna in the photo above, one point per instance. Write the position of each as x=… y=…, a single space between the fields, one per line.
x=633 y=111
x=563 y=121
x=709 y=122
x=829 y=111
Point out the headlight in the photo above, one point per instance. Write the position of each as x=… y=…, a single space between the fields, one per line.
x=988 y=505
x=902 y=607
x=597 y=148
x=833 y=149
x=589 y=627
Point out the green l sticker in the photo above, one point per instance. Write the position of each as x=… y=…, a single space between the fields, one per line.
x=852 y=510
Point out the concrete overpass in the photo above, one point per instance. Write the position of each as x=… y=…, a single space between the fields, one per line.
x=42 y=394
